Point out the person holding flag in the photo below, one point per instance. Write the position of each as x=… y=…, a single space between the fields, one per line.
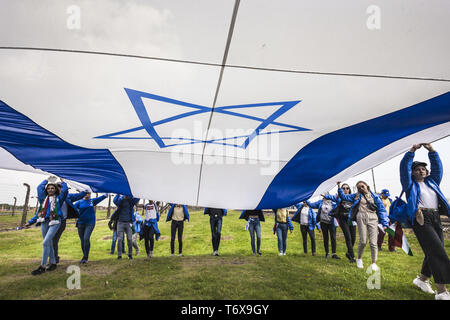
x=368 y=211
x=425 y=204
x=178 y=213
x=327 y=224
x=215 y=220
x=254 y=219
x=150 y=230
x=86 y=222
x=307 y=219
x=48 y=216
x=282 y=224
x=340 y=212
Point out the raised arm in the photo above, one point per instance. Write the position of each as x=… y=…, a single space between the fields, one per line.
x=99 y=199
x=331 y=197
x=117 y=199
x=41 y=191
x=436 y=168
x=406 y=170
x=314 y=205
x=76 y=196
x=346 y=197
x=64 y=192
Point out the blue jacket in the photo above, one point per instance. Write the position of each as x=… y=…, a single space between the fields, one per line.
x=318 y=205
x=381 y=210
x=224 y=211
x=41 y=198
x=118 y=200
x=86 y=210
x=185 y=210
x=312 y=222
x=154 y=223
x=70 y=199
x=137 y=223
x=412 y=188
x=246 y=213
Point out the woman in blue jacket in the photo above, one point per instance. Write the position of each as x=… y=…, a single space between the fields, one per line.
x=68 y=212
x=48 y=215
x=307 y=219
x=425 y=204
x=368 y=210
x=86 y=222
x=150 y=230
x=327 y=224
x=282 y=224
x=177 y=213
x=254 y=219
x=340 y=212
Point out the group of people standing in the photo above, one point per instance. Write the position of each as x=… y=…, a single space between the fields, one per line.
x=363 y=210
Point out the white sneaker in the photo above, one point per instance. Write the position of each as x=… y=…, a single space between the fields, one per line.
x=359 y=263
x=284 y=253
x=280 y=254
x=172 y=255
x=374 y=267
x=442 y=296
x=151 y=254
x=424 y=285
x=180 y=255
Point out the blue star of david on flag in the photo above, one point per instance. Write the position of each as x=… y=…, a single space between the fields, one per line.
x=164 y=142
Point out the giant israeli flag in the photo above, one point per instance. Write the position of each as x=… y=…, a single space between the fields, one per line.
x=228 y=104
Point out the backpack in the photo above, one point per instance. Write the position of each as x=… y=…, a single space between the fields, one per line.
x=398 y=211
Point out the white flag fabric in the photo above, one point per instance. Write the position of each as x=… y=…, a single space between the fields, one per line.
x=192 y=103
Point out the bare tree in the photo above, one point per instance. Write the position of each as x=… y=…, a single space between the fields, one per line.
x=25 y=206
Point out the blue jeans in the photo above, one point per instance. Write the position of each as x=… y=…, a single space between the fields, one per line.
x=282 y=231
x=114 y=240
x=255 y=226
x=216 y=228
x=48 y=233
x=84 y=232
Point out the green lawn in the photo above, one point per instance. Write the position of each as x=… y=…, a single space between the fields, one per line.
x=236 y=274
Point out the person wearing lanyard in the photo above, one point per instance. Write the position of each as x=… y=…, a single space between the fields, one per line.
x=177 y=213
x=425 y=204
x=150 y=229
x=254 y=217
x=282 y=223
x=215 y=221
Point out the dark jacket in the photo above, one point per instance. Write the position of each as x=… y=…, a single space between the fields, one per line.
x=246 y=213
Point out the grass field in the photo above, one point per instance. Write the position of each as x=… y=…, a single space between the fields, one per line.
x=236 y=274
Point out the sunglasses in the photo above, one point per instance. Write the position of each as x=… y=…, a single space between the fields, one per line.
x=346 y=188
